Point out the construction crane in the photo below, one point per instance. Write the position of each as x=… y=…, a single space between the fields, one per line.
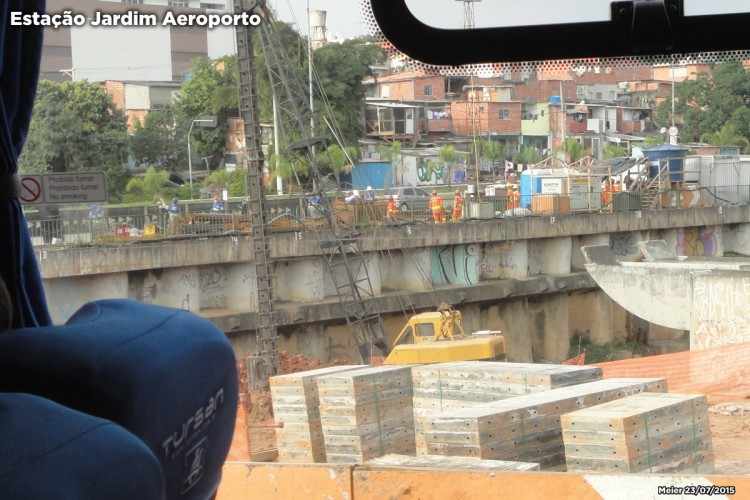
x=344 y=259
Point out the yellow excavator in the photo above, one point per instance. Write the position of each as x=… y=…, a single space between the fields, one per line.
x=438 y=337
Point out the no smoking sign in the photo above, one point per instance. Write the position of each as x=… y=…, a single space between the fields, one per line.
x=31 y=189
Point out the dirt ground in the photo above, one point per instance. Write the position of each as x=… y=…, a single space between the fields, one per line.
x=731 y=433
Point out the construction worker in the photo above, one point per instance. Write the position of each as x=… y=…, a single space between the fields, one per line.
x=437 y=208
x=391 y=210
x=458 y=206
x=514 y=199
x=607 y=193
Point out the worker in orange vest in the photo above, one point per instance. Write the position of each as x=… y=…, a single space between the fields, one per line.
x=458 y=206
x=437 y=208
x=391 y=209
x=607 y=193
x=513 y=197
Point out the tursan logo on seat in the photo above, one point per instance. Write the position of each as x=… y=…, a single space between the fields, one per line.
x=198 y=421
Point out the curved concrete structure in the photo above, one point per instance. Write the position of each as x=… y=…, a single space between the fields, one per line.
x=710 y=297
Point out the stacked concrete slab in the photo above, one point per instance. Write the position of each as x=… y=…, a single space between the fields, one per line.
x=451 y=463
x=296 y=406
x=524 y=428
x=659 y=433
x=447 y=387
x=367 y=413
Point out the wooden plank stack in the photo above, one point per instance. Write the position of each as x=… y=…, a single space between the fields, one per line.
x=447 y=387
x=295 y=405
x=659 y=433
x=524 y=428
x=451 y=463
x=367 y=413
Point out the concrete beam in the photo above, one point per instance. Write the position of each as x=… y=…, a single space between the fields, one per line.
x=488 y=292
x=507 y=260
x=65 y=296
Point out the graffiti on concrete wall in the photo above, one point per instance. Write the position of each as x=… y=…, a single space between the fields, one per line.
x=698 y=242
x=213 y=285
x=720 y=305
x=456 y=265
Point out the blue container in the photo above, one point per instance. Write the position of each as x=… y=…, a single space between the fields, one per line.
x=378 y=175
x=676 y=156
x=555 y=99
x=530 y=185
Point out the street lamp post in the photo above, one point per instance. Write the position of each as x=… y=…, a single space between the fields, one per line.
x=207 y=122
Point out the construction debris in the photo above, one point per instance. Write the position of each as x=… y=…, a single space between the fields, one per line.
x=453 y=386
x=451 y=463
x=367 y=413
x=524 y=428
x=299 y=438
x=655 y=433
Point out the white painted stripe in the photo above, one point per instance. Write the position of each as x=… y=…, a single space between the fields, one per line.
x=639 y=487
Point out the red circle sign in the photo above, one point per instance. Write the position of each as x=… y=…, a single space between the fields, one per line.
x=31 y=190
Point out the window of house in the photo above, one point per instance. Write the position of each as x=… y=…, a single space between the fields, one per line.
x=505 y=114
x=580 y=92
x=385 y=91
x=428 y=90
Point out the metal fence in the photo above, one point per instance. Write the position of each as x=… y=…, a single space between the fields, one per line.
x=300 y=215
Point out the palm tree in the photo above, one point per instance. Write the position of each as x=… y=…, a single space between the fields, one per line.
x=447 y=159
x=727 y=136
x=392 y=153
x=337 y=159
x=573 y=149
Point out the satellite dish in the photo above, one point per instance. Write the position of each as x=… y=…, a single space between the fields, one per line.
x=663 y=130
x=674 y=131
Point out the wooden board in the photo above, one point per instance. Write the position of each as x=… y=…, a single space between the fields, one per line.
x=296 y=404
x=450 y=463
x=524 y=428
x=367 y=413
x=641 y=433
x=446 y=387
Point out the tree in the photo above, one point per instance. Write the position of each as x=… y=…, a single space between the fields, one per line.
x=149 y=188
x=234 y=182
x=156 y=142
x=341 y=68
x=492 y=151
x=573 y=149
x=614 y=151
x=727 y=136
x=392 y=154
x=528 y=156
x=337 y=161
x=77 y=128
x=288 y=167
x=210 y=91
x=705 y=105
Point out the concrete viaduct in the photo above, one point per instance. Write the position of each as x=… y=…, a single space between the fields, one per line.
x=526 y=277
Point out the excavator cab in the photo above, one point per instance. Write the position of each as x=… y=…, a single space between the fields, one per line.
x=438 y=337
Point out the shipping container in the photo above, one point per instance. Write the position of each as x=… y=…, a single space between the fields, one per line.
x=378 y=175
x=675 y=155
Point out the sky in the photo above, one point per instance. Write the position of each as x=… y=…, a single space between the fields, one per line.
x=344 y=18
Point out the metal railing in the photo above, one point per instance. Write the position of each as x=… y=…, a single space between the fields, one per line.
x=76 y=228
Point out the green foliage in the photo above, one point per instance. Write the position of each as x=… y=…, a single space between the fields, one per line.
x=528 y=156
x=653 y=140
x=211 y=91
x=707 y=104
x=614 y=151
x=727 y=136
x=492 y=151
x=289 y=167
x=341 y=68
x=573 y=149
x=235 y=182
x=156 y=142
x=448 y=155
x=336 y=160
x=390 y=153
x=76 y=128
x=154 y=185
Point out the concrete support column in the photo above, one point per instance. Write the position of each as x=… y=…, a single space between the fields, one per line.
x=598 y=317
x=231 y=287
x=577 y=261
x=66 y=295
x=179 y=288
x=512 y=318
x=550 y=328
x=472 y=318
x=301 y=281
x=737 y=239
x=695 y=241
x=509 y=260
x=372 y=261
x=407 y=270
x=550 y=256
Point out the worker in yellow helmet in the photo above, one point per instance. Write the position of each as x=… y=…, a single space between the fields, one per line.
x=437 y=208
x=458 y=206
